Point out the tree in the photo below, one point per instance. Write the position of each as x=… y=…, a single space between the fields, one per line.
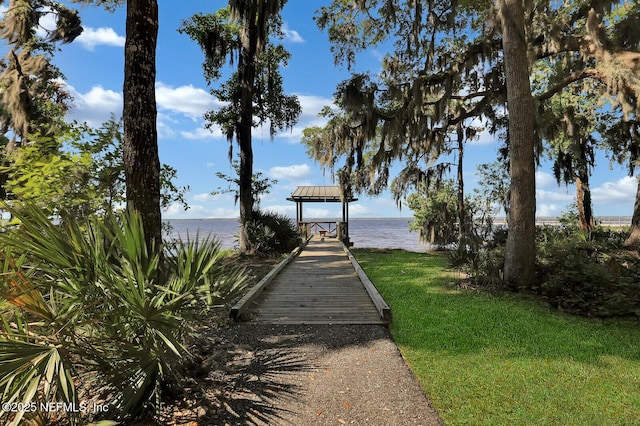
x=415 y=110
x=519 y=265
x=32 y=101
x=622 y=138
x=79 y=174
x=435 y=209
x=140 y=148
x=86 y=299
x=493 y=187
x=260 y=185
x=573 y=151
x=240 y=35
x=452 y=61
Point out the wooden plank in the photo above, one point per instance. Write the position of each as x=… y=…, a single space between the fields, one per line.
x=243 y=304
x=319 y=286
x=378 y=300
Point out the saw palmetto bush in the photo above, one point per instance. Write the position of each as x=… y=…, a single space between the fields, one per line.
x=88 y=302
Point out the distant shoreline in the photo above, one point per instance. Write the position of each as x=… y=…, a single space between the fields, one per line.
x=542 y=220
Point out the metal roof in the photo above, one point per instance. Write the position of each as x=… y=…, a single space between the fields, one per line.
x=318 y=194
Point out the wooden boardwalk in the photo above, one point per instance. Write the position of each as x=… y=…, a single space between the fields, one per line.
x=319 y=286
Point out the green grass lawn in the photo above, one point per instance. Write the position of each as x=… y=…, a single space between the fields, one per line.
x=505 y=360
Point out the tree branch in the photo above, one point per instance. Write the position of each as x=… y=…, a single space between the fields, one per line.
x=572 y=78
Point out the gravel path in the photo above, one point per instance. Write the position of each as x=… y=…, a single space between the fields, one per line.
x=318 y=375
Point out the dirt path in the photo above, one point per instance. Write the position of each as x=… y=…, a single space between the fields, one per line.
x=315 y=375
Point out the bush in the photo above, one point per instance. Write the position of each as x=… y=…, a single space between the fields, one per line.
x=483 y=266
x=89 y=300
x=583 y=273
x=272 y=233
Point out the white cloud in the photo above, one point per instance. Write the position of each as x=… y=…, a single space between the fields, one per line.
x=291 y=36
x=545 y=180
x=175 y=211
x=555 y=196
x=96 y=106
x=484 y=138
x=556 y=199
x=206 y=197
x=359 y=210
x=621 y=191
x=46 y=23
x=318 y=213
x=287 y=209
x=311 y=107
x=190 y=101
x=295 y=172
x=546 y=210
x=202 y=134
x=92 y=37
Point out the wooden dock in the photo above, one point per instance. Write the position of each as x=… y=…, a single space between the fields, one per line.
x=320 y=285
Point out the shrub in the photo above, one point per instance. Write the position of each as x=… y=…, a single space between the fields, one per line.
x=583 y=274
x=88 y=299
x=272 y=233
x=580 y=272
x=483 y=266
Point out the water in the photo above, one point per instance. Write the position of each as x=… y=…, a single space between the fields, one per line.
x=364 y=233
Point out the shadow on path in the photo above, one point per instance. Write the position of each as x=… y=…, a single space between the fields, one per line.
x=263 y=374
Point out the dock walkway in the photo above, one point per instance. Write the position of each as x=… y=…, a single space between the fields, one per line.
x=319 y=286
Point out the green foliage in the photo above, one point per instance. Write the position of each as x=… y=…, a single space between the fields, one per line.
x=484 y=267
x=79 y=173
x=242 y=36
x=569 y=218
x=436 y=208
x=32 y=101
x=585 y=273
x=43 y=174
x=434 y=212
x=581 y=272
x=493 y=185
x=272 y=233
x=260 y=185
x=86 y=298
x=223 y=40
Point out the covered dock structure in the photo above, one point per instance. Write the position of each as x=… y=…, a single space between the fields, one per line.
x=322 y=194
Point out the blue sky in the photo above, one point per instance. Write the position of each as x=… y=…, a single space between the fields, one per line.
x=93 y=68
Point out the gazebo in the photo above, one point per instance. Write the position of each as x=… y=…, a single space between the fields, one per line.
x=322 y=194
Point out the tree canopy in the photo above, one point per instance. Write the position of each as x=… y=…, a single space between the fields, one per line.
x=449 y=67
x=241 y=35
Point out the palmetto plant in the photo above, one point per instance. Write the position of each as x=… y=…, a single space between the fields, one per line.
x=90 y=299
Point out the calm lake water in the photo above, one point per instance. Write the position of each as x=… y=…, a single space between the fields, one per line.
x=377 y=233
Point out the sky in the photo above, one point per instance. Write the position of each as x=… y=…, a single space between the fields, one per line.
x=93 y=68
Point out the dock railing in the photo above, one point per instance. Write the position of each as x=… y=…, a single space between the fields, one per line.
x=320 y=228
x=331 y=229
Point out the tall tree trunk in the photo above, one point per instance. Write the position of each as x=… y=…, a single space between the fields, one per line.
x=586 y=220
x=633 y=241
x=141 y=159
x=464 y=227
x=244 y=180
x=519 y=268
x=246 y=77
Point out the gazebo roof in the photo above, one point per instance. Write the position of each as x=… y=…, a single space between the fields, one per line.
x=318 y=194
